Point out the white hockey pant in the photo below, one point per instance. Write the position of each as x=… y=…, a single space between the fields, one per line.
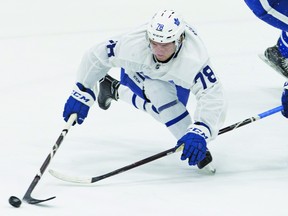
x=164 y=105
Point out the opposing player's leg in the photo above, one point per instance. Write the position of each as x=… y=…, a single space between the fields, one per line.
x=277 y=56
x=275 y=13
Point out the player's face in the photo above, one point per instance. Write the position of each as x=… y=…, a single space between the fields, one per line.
x=162 y=51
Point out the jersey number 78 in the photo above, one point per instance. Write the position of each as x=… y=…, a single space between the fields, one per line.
x=205 y=75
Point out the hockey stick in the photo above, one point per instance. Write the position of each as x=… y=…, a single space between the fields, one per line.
x=89 y=180
x=27 y=197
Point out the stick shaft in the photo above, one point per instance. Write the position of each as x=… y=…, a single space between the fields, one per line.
x=250 y=120
x=173 y=150
x=27 y=197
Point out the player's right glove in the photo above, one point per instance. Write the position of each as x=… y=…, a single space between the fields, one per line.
x=194 y=146
x=284 y=100
x=79 y=102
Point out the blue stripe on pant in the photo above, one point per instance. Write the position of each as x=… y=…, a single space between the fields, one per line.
x=182 y=93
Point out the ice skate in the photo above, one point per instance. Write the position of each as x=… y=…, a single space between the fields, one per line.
x=206 y=163
x=108 y=91
x=273 y=57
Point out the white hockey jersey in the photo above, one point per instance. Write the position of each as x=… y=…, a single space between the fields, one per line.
x=190 y=68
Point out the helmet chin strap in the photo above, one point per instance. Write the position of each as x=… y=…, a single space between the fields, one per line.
x=179 y=42
x=177 y=45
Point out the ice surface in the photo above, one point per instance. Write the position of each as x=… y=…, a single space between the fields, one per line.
x=41 y=44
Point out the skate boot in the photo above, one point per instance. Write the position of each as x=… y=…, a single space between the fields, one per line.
x=206 y=163
x=108 y=91
x=276 y=60
x=208 y=159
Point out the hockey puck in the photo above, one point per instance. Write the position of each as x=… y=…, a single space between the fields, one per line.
x=15 y=201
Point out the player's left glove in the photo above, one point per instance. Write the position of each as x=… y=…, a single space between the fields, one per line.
x=194 y=146
x=284 y=100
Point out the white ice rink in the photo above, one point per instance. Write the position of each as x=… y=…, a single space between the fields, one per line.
x=41 y=45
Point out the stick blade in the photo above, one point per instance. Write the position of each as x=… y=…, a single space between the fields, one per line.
x=68 y=178
x=33 y=201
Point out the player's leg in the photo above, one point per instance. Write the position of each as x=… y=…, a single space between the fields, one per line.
x=170 y=102
x=171 y=111
x=128 y=89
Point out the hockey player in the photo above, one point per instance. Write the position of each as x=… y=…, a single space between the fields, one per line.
x=275 y=13
x=161 y=63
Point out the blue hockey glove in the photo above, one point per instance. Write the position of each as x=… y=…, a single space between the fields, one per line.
x=79 y=102
x=284 y=100
x=194 y=146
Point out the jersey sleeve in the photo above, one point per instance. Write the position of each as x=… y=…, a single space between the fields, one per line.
x=211 y=103
x=94 y=65
x=127 y=50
